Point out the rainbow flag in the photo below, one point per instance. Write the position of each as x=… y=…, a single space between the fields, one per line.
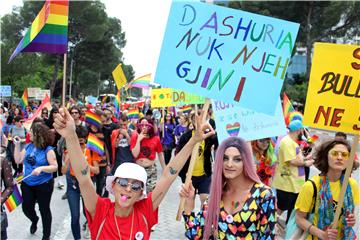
x=95 y=144
x=14 y=200
x=312 y=139
x=293 y=116
x=287 y=106
x=48 y=32
x=117 y=103
x=141 y=82
x=133 y=113
x=186 y=109
x=92 y=118
x=19 y=177
x=24 y=100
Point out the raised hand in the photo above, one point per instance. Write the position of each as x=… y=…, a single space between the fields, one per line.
x=203 y=128
x=64 y=124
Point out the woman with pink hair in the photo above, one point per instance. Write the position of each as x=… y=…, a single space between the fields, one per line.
x=239 y=204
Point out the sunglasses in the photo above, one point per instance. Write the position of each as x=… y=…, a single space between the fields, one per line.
x=147 y=125
x=124 y=183
x=335 y=153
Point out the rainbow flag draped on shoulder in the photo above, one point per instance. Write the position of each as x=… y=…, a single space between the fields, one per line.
x=14 y=200
x=141 y=82
x=48 y=32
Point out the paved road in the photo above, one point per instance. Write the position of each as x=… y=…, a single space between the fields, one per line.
x=167 y=228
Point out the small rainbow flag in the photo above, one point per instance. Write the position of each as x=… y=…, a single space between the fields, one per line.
x=24 y=100
x=95 y=144
x=14 y=200
x=133 y=113
x=287 y=107
x=48 y=32
x=117 y=103
x=186 y=109
x=312 y=139
x=141 y=82
x=92 y=118
x=19 y=177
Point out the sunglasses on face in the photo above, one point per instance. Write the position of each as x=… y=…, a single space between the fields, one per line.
x=335 y=153
x=124 y=183
x=147 y=125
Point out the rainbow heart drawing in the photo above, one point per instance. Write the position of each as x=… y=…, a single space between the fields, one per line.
x=233 y=129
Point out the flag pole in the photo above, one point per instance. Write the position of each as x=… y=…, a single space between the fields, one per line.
x=64 y=82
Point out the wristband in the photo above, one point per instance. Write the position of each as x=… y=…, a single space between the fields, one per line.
x=308 y=229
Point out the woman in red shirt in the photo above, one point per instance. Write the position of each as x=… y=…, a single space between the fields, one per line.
x=133 y=213
x=144 y=145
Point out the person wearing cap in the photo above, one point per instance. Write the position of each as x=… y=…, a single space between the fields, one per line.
x=290 y=174
x=134 y=212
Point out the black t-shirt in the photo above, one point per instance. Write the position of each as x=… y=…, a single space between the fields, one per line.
x=107 y=130
x=123 y=153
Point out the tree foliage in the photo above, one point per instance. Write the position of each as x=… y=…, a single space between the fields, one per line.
x=95 y=44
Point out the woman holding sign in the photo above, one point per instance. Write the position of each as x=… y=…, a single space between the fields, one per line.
x=240 y=206
x=331 y=159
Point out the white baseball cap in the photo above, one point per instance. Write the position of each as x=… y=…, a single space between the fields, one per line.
x=131 y=171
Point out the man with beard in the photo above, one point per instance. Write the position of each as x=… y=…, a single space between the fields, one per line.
x=290 y=173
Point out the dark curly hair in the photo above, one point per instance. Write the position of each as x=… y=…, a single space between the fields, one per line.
x=43 y=136
x=321 y=157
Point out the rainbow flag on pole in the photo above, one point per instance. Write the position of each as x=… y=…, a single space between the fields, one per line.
x=287 y=106
x=95 y=144
x=92 y=118
x=14 y=200
x=48 y=32
x=117 y=102
x=141 y=82
x=24 y=100
x=186 y=109
x=133 y=113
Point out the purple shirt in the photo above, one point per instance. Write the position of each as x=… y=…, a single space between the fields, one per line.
x=179 y=130
x=168 y=138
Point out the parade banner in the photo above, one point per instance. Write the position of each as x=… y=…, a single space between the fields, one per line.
x=233 y=121
x=161 y=97
x=181 y=98
x=5 y=91
x=226 y=54
x=333 y=97
x=32 y=92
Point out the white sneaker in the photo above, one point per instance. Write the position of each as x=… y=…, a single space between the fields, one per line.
x=153 y=228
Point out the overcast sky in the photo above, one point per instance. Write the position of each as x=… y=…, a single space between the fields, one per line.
x=144 y=24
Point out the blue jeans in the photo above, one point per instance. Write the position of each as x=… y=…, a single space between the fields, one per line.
x=73 y=196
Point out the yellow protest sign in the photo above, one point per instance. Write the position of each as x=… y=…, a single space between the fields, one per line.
x=333 y=97
x=161 y=97
x=181 y=98
x=119 y=76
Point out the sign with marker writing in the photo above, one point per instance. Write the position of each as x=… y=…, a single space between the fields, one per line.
x=5 y=91
x=168 y=97
x=333 y=97
x=234 y=121
x=226 y=54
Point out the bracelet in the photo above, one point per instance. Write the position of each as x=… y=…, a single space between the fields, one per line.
x=308 y=229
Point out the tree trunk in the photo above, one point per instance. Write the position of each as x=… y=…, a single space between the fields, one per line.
x=55 y=74
x=308 y=40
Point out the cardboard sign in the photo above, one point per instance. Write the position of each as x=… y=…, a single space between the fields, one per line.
x=226 y=54
x=333 y=97
x=40 y=94
x=32 y=92
x=161 y=97
x=233 y=121
x=5 y=91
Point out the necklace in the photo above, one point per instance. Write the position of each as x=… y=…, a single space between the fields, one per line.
x=132 y=225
